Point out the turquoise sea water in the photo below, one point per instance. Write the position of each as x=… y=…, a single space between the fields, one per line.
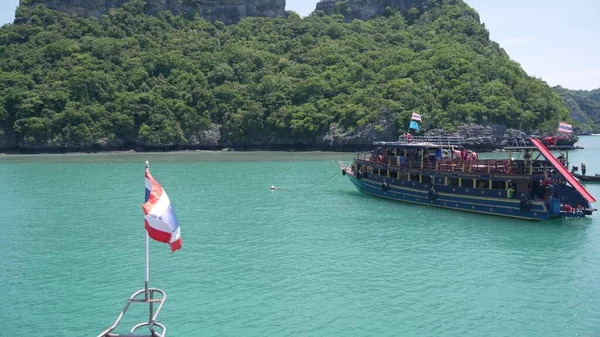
x=314 y=258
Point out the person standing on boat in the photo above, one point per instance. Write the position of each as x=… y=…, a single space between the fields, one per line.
x=510 y=193
x=527 y=157
x=561 y=159
x=583 y=168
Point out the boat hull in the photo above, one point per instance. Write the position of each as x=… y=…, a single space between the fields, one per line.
x=476 y=204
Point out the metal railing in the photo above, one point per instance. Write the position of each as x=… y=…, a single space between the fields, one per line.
x=151 y=324
x=436 y=140
x=520 y=142
x=491 y=166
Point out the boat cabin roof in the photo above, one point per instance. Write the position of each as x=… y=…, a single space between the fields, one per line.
x=436 y=142
x=421 y=145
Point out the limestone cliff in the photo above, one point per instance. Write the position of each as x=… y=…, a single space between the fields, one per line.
x=366 y=9
x=227 y=11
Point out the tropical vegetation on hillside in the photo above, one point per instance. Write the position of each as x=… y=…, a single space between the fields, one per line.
x=584 y=107
x=135 y=79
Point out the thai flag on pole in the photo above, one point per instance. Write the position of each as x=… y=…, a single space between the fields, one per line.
x=160 y=220
x=565 y=128
x=416 y=117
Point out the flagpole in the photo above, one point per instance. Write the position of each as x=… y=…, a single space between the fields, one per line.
x=147 y=254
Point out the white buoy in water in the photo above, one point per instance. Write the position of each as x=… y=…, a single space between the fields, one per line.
x=273 y=188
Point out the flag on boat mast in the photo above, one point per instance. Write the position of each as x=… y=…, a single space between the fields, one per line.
x=565 y=127
x=159 y=216
x=413 y=122
x=416 y=117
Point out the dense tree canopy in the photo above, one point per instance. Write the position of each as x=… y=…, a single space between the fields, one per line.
x=584 y=107
x=127 y=77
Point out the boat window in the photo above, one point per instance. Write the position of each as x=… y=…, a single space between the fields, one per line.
x=414 y=177
x=499 y=185
x=402 y=176
x=452 y=181
x=483 y=183
x=394 y=174
x=426 y=179
x=383 y=172
x=466 y=182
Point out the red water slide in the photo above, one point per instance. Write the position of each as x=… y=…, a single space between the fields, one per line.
x=563 y=170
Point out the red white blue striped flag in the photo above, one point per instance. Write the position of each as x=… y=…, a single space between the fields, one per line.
x=160 y=220
x=565 y=127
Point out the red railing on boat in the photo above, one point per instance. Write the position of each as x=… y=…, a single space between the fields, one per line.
x=491 y=166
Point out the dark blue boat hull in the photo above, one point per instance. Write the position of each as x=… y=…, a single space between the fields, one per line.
x=415 y=193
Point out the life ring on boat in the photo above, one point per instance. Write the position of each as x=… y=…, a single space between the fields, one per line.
x=343 y=172
x=432 y=194
x=525 y=205
x=385 y=187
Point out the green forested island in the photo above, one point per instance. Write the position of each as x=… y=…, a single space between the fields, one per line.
x=126 y=79
x=584 y=107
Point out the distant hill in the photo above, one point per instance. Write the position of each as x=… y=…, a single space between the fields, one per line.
x=124 y=79
x=584 y=107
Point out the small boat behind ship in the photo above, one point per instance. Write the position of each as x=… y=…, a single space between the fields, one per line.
x=559 y=140
x=594 y=178
x=441 y=172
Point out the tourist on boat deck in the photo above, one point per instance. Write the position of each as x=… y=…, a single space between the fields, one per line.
x=474 y=156
x=583 y=168
x=574 y=169
x=527 y=157
x=510 y=193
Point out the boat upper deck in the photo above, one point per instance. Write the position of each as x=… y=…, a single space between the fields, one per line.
x=422 y=142
x=446 y=154
x=514 y=168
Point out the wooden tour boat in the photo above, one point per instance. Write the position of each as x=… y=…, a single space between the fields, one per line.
x=440 y=172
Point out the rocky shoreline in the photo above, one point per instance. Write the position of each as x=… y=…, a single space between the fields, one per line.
x=481 y=138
